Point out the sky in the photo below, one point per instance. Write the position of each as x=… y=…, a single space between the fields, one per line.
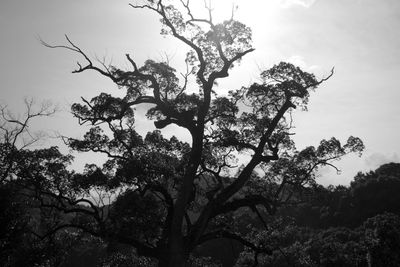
x=359 y=38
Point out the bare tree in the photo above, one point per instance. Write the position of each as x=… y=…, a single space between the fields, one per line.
x=15 y=133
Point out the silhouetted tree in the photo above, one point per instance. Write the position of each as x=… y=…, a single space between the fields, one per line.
x=337 y=226
x=382 y=238
x=165 y=197
x=20 y=216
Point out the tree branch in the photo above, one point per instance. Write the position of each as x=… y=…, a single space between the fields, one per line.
x=225 y=234
x=248 y=201
x=89 y=66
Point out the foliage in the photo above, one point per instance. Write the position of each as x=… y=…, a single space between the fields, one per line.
x=19 y=162
x=382 y=234
x=331 y=227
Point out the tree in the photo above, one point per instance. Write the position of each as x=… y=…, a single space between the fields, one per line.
x=165 y=197
x=337 y=226
x=382 y=238
x=16 y=136
x=19 y=214
x=375 y=192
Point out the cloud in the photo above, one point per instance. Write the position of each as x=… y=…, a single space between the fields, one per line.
x=291 y=3
x=377 y=159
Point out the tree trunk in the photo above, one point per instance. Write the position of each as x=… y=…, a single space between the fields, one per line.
x=175 y=256
x=175 y=260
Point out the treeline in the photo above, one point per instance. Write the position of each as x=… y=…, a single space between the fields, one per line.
x=369 y=194
x=358 y=225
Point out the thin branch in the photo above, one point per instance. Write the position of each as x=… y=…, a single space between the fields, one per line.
x=160 y=10
x=89 y=66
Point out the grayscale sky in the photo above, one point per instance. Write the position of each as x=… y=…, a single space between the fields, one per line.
x=360 y=38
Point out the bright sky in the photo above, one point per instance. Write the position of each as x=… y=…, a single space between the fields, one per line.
x=358 y=37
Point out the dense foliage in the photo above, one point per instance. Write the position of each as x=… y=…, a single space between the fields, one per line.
x=338 y=226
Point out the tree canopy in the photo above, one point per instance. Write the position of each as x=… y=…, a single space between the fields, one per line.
x=165 y=197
